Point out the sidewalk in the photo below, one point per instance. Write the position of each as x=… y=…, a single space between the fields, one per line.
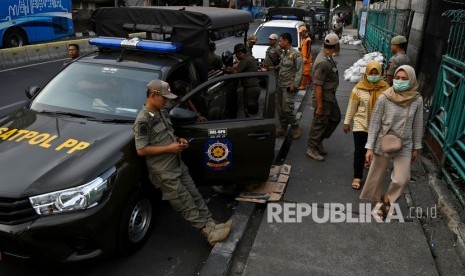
x=309 y=248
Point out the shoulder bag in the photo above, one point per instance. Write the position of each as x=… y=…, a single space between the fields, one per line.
x=390 y=142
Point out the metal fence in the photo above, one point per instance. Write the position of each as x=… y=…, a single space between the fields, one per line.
x=445 y=134
x=382 y=26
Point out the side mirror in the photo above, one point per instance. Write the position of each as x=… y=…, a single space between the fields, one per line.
x=181 y=116
x=31 y=91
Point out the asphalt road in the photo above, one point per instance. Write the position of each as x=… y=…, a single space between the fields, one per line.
x=14 y=81
x=174 y=248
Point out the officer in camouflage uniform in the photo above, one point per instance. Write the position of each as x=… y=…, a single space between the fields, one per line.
x=398 y=48
x=155 y=140
x=289 y=77
x=273 y=54
x=327 y=113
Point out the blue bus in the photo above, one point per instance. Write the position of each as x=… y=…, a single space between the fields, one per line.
x=30 y=21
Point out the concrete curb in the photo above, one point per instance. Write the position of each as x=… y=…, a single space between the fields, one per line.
x=30 y=54
x=444 y=197
x=220 y=257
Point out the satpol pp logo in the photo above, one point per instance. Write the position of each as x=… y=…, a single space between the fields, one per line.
x=330 y=213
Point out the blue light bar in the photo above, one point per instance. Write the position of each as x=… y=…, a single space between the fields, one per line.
x=136 y=44
x=286 y=17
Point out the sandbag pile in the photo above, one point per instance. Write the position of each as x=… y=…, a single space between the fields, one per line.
x=348 y=39
x=356 y=71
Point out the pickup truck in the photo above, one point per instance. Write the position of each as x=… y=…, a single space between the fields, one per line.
x=71 y=184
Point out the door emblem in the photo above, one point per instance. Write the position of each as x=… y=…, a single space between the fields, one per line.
x=218 y=154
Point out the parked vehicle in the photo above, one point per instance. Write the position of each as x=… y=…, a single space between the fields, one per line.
x=72 y=185
x=279 y=21
x=25 y=22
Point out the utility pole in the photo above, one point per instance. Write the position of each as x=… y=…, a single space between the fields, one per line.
x=331 y=6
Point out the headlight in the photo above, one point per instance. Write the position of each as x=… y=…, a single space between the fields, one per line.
x=78 y=198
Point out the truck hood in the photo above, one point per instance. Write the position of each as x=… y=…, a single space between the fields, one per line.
x=41 y=153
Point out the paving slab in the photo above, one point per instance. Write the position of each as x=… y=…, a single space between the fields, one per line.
x=309 y=248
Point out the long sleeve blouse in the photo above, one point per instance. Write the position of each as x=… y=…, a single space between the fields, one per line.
x=358 y=110
x=388 y=116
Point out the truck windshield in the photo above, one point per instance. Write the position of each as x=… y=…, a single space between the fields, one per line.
x=264 y=32
x=101 y=91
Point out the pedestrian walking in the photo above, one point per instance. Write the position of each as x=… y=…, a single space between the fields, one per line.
x=338 y=27
x=398 y=111
x=306 y=50
x=273 y=54
x=156 y=141
x=361 y=103
x=398 y=48
x=327 y=114
x=289 y=77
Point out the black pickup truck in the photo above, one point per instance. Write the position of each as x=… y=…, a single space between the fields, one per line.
x=71 y=184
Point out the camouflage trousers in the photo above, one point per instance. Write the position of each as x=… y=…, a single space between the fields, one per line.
x=179 y=189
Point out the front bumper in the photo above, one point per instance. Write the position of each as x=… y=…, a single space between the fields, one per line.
x=65 y=237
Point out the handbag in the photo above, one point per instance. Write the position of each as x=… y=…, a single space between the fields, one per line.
x=390 y=142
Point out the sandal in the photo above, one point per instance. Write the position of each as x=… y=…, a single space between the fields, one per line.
x=387 y=205
x=379 y=215
x=356 y=183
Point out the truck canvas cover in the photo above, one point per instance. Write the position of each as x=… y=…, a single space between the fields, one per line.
x=192 y=26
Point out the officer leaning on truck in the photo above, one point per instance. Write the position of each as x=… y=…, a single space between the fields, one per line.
x=155 y=140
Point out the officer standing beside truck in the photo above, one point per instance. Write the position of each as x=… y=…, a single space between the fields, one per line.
x=273 y=54
x=289 y=77
x=155 y=140
x=327 y=113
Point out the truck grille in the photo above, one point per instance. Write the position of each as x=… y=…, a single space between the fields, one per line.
x=16 y=211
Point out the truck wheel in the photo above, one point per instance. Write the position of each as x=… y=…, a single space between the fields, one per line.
x=14 y=38
x=135 y=224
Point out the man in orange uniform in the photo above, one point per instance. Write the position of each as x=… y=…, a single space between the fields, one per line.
x=306 y=50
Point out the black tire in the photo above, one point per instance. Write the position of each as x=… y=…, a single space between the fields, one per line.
x=135 y=224
x=14 y=38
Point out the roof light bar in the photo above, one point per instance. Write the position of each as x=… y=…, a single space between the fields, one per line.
x=286 y=17
x=137 y=44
